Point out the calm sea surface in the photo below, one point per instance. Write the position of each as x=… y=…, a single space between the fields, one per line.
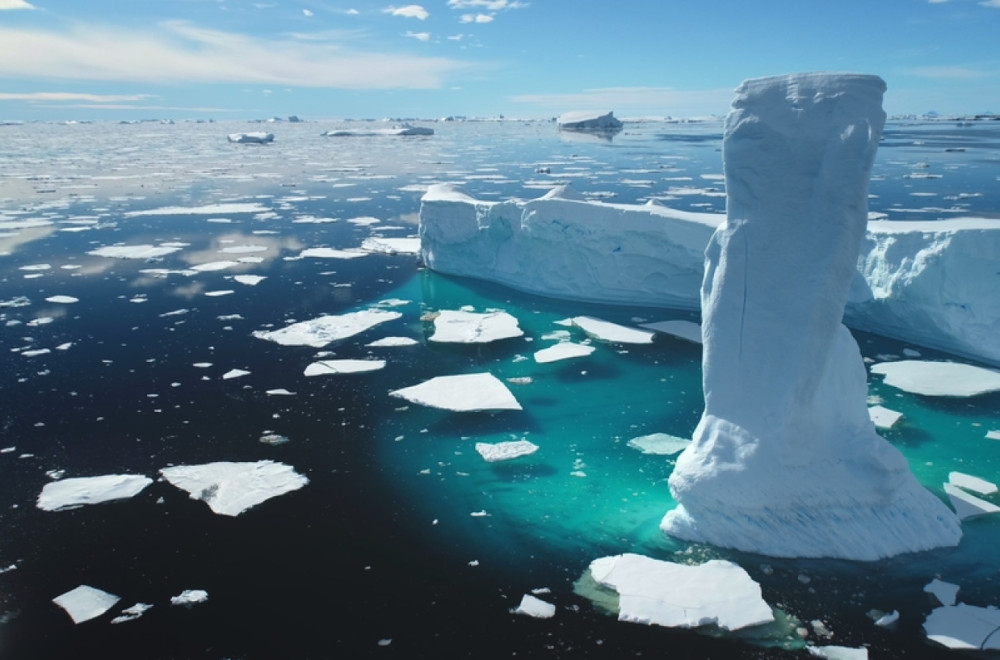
x=404 y=543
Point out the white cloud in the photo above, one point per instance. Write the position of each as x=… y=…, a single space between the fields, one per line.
x=409 y=11
x=306 y=12
x=71 y=96
x=947 y=73
x=476 y=18
x=179 y=51
x=15 y=4
x=489 y=5
x=419 y=36
x=991 y=3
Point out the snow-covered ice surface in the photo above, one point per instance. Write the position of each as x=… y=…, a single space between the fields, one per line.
x=85 y=602
x=535 y=607
x=323 y=330
x=939 y=378
x=463 y=393
x=465 y=327
x=505 y=451
x=77 y=491
x=231 y=488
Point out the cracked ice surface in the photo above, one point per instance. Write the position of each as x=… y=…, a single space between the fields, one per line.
x=323 y=330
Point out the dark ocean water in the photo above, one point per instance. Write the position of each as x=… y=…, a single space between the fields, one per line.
x=404 y=543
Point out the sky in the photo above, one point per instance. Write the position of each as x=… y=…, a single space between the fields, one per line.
x=339 y=59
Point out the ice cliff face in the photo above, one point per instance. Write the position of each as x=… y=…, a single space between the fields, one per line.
x=785 y=460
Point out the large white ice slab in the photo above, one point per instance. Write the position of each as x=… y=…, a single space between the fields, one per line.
x=945 y=592
x=232 y=488
x=346 y=366
x=968 y=505
x=883 y=417
x=463 y=393
x=588 y=120
x=659 y=443
x=464 y=327
x=323 y=330
x=535 y=607
x=85 y=602
x=681 y=329
x=70 y=493
x=613 y=332
x=564 y=350
x=970 y=482
x=938 y=378
x=505 y=451
x=965 y=627
x=663 y=593
x=134 y=251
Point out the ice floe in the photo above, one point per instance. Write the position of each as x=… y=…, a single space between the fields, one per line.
x=71 y=493
x=398 y=130
x=883 y=417
x=464 y=327
x=253 y=137
x=964 y=627
x=612 y=332
x=250 y=280
x=189 y=597
x=839 y=652
x=62 y=300
x=564 y=350
x=945 y=592
x=659 y=443
x=232 y=488
x=938 y=378
x=656 y=592
x=134 y=251
x=324 y=367
x=132 y=613
x=968 y=505
x=535 y=607
x=381 y=244
x=679 y=328
x=505 y=451
x=969 y=482
x=392 y=341
x=463 y=393
x=235 y=373
x=588 y=120
x=85 y=602
x=326 y=329
x=331 y=253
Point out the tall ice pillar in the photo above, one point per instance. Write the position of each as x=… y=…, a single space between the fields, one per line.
x=785 y=460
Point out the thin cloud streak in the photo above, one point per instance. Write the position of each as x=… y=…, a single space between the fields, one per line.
x=71 y=96
x=15 y=4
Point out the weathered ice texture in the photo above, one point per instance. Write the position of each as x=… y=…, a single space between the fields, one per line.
x=786 y=460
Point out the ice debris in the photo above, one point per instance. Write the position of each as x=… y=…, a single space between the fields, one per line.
x=612 y=332
x=659 y=443
x=564 y=350
x=535 y=607
x=324 y=367
x=253 y=137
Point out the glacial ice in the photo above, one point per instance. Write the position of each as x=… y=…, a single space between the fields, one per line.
x=77 y=491
x=326 y=329
x=564 y=350
x=656 y=592
x=462 y=393
x=588 y=120
x=85 y=603
x=663 y=444
x=232 y=488
x=938 y=378
x=612 y=332
x=785 y=460
x=505 y=451
x=465 y=327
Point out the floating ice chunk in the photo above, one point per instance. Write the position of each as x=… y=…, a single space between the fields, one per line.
x=243 y=249
x=131 y=613
x=945 y=592
x=663 y=593
x=35 y=352
x=274 y=439
x=587 y=120
x=887 y=620
x=968 y=506
x=505 y=451
x=189 y=597
x=612 y=332
x=232 y=488
x=364 y=221
x=535 y=607
x=681 y=329
x=212 y=266
x=85 y=603
x=62 y=300
x=659 y=443
x=226 y=208
x=221 y=292
x=465 y=392
x=16 y=301
x=134 y=251
x=331 y=253
x=562 y=351
x=964 y=626
x=385 y=245
x=235 y=373
x=280 y=391
x=969 y=482
x=250 y=280
x=324 y=367
x=71 y=493
x=939 y=378
x=883 y=418
x=993 y=435
x=254 y=137
x=401 y=130
x=464 y=327
x=393 y=341
x=839 y=652
x=323 y=330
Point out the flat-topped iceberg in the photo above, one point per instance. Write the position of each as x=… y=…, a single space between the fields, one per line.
x=786 y=460
x=588 y=120
x=463 y=393
x=232 y=488
x=253 y=137
x=85 y=602
x=465 y=327
x=323 y=330
x=564 y=350
x=74 y=492
x=938 y=378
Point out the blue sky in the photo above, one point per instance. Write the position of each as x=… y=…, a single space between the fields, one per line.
x=328 y=59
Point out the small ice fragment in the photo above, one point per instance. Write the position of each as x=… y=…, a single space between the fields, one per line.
x=323 y=330
x=562 y=351
x=687 y=330
x=968 y=506
x=222 y=292
x=945 y=592
x=938 y=378
x=964 y=626
x=385 y=641
x=279 y=391
x=189 y=597
x=85 y=603
x=535 y=607
x=393 y=341
x=202 y=365
x=466 y=392
x=235 y=373
x=612 y=332
x=324 y=367
x=659 y=443
x=232 y=488
x=212 y=266
x=505 y=451
x=134 y=251
x=969 y=482
x=69 y=493
x=993 y=435
x=464 y=327
x=131 y=613
x=64 y=347
x=63 y=300
x=384 y=245
x=250 y=280
x=253 y=137
x=839 y=652
x=274 y=439
x=331 y=253
x=883 y=418
x=887 y=620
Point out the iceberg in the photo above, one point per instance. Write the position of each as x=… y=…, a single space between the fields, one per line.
x=687 y=330
x=464 y=327
x=232 y=488
x=71 y=493
x=663 y=444
x=586 y=120
x=612 y=332
x=85 y=603
x=462 y=393
x=938 y=378
x=785 y=460
x=254 y=137
x=323 y=330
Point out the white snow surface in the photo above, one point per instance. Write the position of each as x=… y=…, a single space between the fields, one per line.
x=535 y=607
x=656 y=592
x=326 y=329
x=663 y=444
x=564 y=350
x=253 y=137
x=232 y=488
x=462 y=393
x=85 y=602
x=964 y=626
x=505 y=451
x=345 y=366
x=612 y=332
x=939 y=378
x=464 y=327
x=77 y=491
x=786 y=460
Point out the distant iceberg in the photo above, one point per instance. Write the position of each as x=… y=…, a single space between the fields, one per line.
x=256 y=137
x=584 y=120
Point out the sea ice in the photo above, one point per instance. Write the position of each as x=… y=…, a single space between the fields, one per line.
x=400 y=130
x=464 y=327
x=969 y=482
x=659 y=443
x=63 y=300
x=964 y=626
x=564 y=350
x=612 y=332
x=785 y=460
x=663 y=593
x=839 y=652
x=681 y=329
x=586 y=120
x=189 y=597
x=331 y=253
x=968 y=506
x=323 y=330
x=392 y=341
x=71 y=493
x=463 y=393
x=938 y=378
x=232 y=488
x=134 y=251
x=505 y=451
x=324 y=367
x=132 y=613
x=250 y=280
x=235 y=373
x=883 y=417
x=85 y=603
x=945 y=592
x=253 y=137
x=535 y=607
x=212 y=266
x=385 y=245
